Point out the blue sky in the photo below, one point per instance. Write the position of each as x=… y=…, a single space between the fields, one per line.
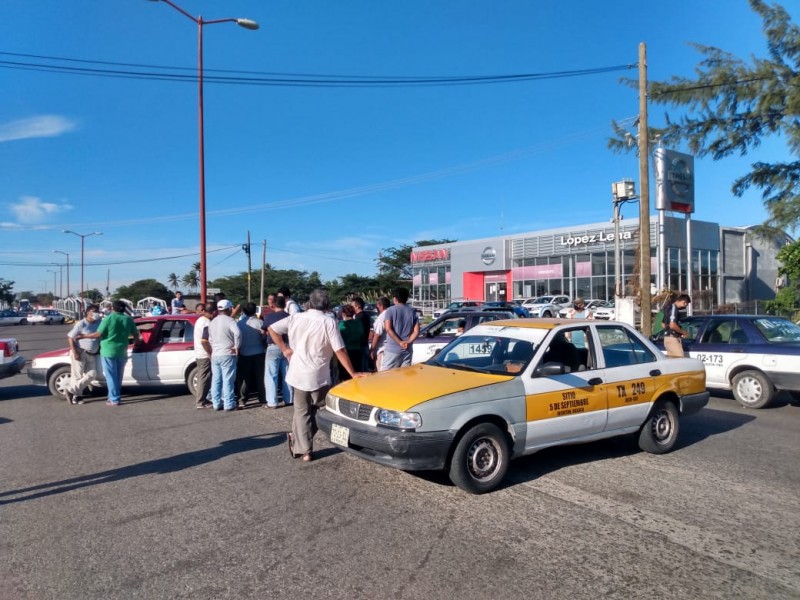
x=329 y=175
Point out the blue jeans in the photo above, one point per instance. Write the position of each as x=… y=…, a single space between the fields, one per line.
x=223 y=378
x=113 y=368
x=276 y=366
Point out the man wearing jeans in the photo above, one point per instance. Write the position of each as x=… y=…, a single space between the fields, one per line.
x=402 y=328
x=225 y=339
x=276 y=363
x=114 y=332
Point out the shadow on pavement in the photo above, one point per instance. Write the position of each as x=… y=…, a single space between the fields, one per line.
x=13 y=392
x=152 y=467
x=2 y=420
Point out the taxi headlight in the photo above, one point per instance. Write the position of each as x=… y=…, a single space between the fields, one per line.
x=332 y=402
x=399 y=420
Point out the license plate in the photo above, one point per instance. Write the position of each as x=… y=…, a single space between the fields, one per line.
x=340 y=435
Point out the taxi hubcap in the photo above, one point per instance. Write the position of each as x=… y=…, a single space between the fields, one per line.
x=662 y=426
x=750 y=389
x=483 y=458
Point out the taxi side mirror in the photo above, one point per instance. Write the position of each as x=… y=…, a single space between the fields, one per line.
x=550 y=369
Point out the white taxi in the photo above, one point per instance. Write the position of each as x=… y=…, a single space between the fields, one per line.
x=511 y=388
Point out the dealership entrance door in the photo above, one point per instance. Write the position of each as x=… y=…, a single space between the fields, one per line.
x=495 y=291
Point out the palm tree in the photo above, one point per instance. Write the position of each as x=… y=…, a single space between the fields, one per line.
x=191 y=280
x=173 y=280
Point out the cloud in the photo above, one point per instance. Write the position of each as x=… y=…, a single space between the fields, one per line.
x=36 y=127
x=31 y=210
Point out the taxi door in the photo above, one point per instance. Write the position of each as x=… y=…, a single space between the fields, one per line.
x=722 y=346
x=566 y=406
x=631 y=374
x=167 y=360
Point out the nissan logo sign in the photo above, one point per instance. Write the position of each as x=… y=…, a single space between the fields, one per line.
x=488 y=255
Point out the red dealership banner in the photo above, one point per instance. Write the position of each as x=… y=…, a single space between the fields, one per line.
x=430 y=255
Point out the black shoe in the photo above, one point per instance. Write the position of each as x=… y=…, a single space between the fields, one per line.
x=77 y=399
x=70 y=397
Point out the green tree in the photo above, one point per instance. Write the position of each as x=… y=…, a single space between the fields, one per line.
x=731 y=105
x=787 y=298
x=174 y=281
x=7 y=291
x=142 y=289
x=191 y=280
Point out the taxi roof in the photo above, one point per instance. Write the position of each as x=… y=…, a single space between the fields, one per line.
x=531 y=323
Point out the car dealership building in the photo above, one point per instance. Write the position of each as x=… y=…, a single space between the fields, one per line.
x=729 y=265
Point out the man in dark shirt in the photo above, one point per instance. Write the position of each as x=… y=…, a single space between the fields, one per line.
x=366 y=324
x=276 y=363
x=672 y=323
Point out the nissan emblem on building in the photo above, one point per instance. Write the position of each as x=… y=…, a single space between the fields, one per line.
x=674 y=181
x=488 y=255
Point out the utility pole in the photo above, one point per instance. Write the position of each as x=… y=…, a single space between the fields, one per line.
x=644 y=197
x=263 y=262
x=249 y=267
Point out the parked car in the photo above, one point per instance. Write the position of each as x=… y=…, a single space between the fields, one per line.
x=510 y=388
x=12 y=317
x=754 y=356
x=47 y=316
x=591 y=306
x=454 y=306
x=546 y=306
x=11 y=361
x=440 y=332
x=517 y=309
x=164 y=356
x=606 y=312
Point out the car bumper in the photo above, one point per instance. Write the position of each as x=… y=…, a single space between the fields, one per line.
x=38 y=376
x=785 y=381
x=406 y=450
x=10 y=369
x=692 y=403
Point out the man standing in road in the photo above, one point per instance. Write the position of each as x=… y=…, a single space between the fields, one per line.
x=672 y=323
x=366 y=326
x=114 y=333
x=377 y=337
x=83 y=354
x=250 y=362
x=292 y=307
x=225 y=339
x=177 y=304
x=276 y=364
x=202 y=356
x=315 y=339
x=402 y=328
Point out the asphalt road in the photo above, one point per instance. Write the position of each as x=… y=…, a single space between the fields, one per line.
x=154 y=499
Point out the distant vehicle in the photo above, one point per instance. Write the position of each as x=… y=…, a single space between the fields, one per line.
x=751 y=355
x=607 y=312
x=12 y=317
x=11 y=361
x=546 y=306
x=591 y=306
x=25 y=305
x=165 y=356
x=454 y=306
x=517 y=309
x=46 y=316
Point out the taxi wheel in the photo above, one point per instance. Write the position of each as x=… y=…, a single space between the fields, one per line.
x=480 y=460
x=58 y=381
x=752 y=389
x=660 y=431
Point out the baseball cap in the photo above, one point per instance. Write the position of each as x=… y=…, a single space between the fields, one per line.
x=224 y=305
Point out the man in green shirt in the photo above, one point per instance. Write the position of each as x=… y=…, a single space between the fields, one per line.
x=115 y=332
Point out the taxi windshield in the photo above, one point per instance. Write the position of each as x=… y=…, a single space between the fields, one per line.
x=777 y=331
x=489 y=353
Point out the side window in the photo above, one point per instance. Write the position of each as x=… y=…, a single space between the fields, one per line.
x=485 y=318
x=447 y=327
x=719 y=332
x=581 y=338
x=621 y=349
x=177 y=331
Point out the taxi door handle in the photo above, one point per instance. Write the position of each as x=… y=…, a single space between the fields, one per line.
x=595 y=381
x=655 y=373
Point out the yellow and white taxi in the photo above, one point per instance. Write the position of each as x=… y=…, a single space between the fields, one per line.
x=510 y=388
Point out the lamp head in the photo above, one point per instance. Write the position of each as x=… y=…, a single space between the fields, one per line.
x=246 y=23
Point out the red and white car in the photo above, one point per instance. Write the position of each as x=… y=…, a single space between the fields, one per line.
x=164 y=356
x=11 y=361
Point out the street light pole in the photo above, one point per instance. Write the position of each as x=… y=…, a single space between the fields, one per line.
x=54 y=280
x=67 y=255
x=247 y=24
x=83 y=237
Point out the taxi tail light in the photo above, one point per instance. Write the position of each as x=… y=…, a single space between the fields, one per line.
x=6 y=348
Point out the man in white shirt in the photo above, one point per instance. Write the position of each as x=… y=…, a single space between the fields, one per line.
x=315 y=339
x=225 y=339
x=202 y=355
x=292 y=307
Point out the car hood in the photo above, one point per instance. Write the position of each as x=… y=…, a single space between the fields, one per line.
x=400 y=389
x=53 y=354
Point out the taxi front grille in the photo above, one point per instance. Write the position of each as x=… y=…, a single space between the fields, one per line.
x=354 y=410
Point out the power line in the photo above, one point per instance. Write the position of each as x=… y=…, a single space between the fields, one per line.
x=261 y=78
